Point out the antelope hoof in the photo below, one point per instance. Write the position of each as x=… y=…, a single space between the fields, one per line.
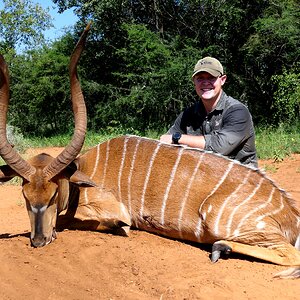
x=218 y=250
x=122 y=231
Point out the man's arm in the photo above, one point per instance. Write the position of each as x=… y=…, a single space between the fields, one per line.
x=235 y=130
x=180 y=124
x=194 y=141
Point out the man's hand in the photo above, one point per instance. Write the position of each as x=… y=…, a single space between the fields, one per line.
x=166 y=138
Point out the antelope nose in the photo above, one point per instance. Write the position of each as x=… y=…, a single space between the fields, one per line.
x=39 y=240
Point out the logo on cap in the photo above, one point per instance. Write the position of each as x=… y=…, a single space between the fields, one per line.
x=210 y=65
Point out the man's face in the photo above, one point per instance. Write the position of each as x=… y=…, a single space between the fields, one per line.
x=207 y=86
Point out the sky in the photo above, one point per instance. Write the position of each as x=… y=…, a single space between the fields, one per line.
x=60 y=21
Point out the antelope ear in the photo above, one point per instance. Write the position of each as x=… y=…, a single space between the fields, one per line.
x=7 y=173
x=80 y=179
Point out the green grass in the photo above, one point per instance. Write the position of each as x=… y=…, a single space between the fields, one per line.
x=277 y=143
x=91 y=140
x=271 y=143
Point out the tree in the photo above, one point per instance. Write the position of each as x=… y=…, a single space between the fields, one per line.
x=22 y=24
x=150 y=87
x=286 y=104
x=271 y=50
x=40 y=94
x=255 y=40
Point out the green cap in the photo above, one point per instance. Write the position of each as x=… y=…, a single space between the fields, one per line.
x=209 y=65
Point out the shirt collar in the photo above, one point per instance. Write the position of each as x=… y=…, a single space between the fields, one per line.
x=221 y=103
x=200 y=109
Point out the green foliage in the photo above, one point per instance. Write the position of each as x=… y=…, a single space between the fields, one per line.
x=136 y=68
x=22 y=22
x=40 y=93
x=16 y=138
x=145 y=51
x=286 y=105
x=272 y=47
x=148 y=83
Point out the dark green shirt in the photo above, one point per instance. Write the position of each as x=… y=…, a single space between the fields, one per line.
x=228 y=129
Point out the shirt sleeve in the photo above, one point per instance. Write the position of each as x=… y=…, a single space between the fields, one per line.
x=176 y=127
x=234 y=131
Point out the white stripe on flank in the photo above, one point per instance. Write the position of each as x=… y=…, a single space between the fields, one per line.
x=255 y=210
x=121 y=168
x=130 y=175
x=85 y=193
x=147 y=178
x=272 y=213
x=202 y=216
x=230 y=165
x=230 y=219
x=198 y=229
x=261 y=225
x=297 y=244
x=106 y=162
x=96 y=162
x=171 y=179
x=210 y=207
x=230 y=198
x=187 y=192
x=85 y=196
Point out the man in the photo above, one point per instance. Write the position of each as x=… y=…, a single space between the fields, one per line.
x=218 y=122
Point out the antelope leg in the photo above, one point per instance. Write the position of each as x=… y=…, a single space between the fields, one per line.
x=290 y=273
x=99 y=211
x=218 y=249
x=282 y=254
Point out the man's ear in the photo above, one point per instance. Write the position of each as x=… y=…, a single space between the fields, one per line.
x=7 y=173
x=80 y=179
x=223 y=79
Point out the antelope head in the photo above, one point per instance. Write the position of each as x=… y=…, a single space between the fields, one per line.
x=44 y=176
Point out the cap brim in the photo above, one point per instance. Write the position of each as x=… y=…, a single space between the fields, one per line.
x=214 y=73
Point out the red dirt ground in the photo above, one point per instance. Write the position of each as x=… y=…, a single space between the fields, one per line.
x=90 y=265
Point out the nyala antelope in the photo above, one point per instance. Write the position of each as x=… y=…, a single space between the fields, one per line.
x=175 y=191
